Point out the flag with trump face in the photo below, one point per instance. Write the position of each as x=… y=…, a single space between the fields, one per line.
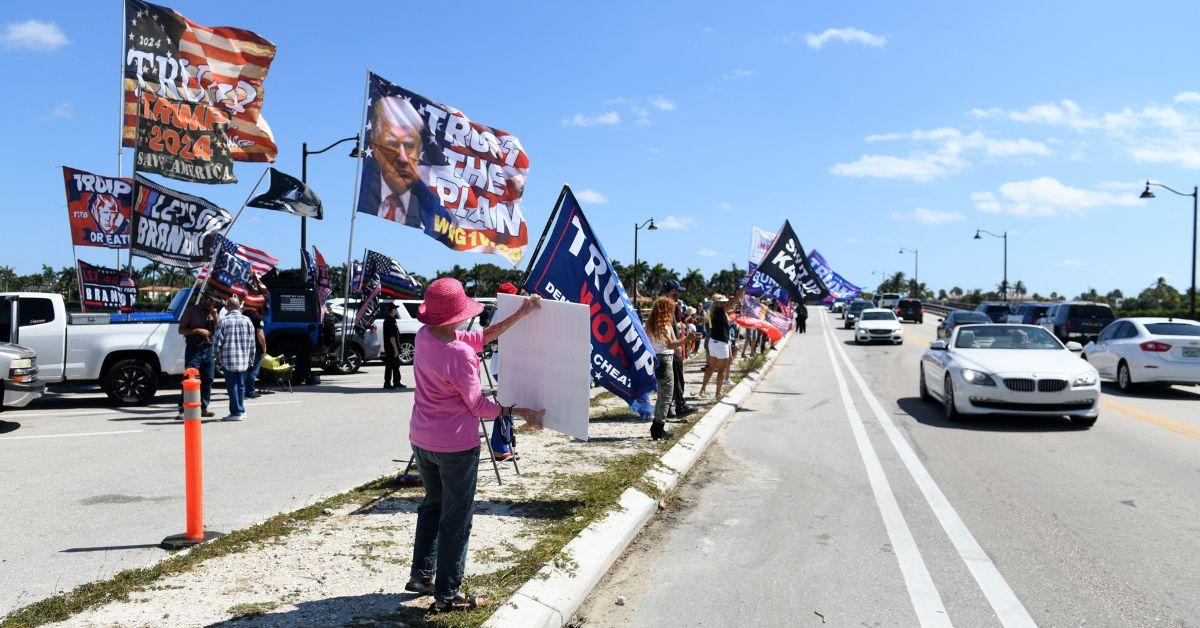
x=169 y=55
x=427 y=166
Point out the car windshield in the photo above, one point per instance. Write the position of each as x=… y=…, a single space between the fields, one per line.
x=859 y=305
x=878 y=316
x=1005 y=337
x=1173 y=329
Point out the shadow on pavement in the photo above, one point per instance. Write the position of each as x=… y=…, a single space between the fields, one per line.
x=528 y=509
x=376 y=609
x=930 y=413
x=1150 y=391
x=9 y=426
x=107 y=548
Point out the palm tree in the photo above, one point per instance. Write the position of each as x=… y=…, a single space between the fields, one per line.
x=694 y=282
x=956 y=292
x=1019 y=288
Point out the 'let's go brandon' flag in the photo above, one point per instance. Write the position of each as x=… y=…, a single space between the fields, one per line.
x=174 y=228
x=168 y=55
x=427 y=166
x=103 y=288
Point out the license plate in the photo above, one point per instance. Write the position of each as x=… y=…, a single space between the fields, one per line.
x=1191 y=352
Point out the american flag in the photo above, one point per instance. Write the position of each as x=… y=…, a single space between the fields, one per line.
x=220 y=65
x=394 y=281
x=260 y=262
x=236 y=274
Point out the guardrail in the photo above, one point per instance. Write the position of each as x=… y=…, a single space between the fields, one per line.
x=945 y=307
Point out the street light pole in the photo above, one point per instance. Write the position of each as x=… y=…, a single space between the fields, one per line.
x=304 y=153
x=1004 y=236
x=1195 y=214
x=636 y=228
x=916 y=269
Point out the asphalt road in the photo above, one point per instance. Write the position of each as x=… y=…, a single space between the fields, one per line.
x=837 y=497
x=87 y=490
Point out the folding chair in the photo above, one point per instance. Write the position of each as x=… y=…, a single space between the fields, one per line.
x=276 y=372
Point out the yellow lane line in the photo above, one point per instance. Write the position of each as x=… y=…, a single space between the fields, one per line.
x=917 y=339
x=1145 y=416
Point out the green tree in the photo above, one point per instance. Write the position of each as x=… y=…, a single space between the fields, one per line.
x=694 y=282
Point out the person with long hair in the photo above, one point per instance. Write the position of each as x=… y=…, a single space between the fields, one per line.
x=661 y=330
x=720 y=343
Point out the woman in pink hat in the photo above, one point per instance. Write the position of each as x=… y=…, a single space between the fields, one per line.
x=444 y=431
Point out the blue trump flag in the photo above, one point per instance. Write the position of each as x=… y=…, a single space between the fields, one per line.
x=575 y=268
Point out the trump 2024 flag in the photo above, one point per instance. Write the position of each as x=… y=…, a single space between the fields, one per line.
x=786 y=263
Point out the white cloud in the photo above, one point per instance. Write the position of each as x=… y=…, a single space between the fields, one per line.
x=656 y=151
x=588 y=195
x=61 y=110
x=33 y=35
x=662 y=104
x=845 y=35
x=929 y=216
x=1188 y=97
x=921 y=168
x=737 y=75
x=1046 y=196
x=1070 y=263
x=677 y=223
x=579 y=119
x=724 y=206
x=852 y=240
x=1068 y=113
x=949 y=155
x=707 y=253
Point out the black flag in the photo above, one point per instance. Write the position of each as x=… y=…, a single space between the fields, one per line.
x=289 y=194
x=786 y=263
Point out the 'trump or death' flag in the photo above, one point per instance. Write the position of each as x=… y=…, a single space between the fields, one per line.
x=426 y=165
x=574 y=267
x=291 y=195
x=838 y=286
x=99 y=209
x=787 y=264
x=394 y=281
x=168 y=55
x=174 y=228
x=181 y=140
x=106 y=288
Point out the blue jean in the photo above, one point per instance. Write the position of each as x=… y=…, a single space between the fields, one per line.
x=444 y=518
x=235 y=385
x=252 y=375
x=201 y=358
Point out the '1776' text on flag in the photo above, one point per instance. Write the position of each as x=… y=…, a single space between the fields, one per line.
x=426 y=165
x=98 y=208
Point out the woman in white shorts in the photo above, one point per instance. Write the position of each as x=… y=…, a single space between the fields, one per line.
x=718 y=344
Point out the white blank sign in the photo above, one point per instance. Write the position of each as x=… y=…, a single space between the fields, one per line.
x=545 y=362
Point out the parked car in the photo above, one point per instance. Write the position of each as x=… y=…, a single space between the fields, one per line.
x=359 y=349
x=995 y=311
x=406 y=322
x=1133 y=351
x=1009 y=369
x=853 y=310
x=19 y=382
x=1027 y=313
x=1077 y=320
x=888 y=300
x=878 y=325
x=960 y=317
x=911 y=310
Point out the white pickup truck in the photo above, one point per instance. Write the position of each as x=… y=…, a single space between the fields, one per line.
x=127 y=354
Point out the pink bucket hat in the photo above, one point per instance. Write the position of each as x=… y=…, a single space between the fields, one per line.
x=446 y=302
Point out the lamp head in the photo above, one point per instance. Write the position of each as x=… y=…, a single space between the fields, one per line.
x=354 y=151
x=977 y=236
x=652 y=227
x=1147 y=193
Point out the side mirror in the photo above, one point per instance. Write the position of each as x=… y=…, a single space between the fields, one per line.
x=937 y=345
x=1074 y=347
x=941 y=320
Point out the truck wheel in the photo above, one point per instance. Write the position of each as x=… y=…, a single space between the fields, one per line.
x=298 y=355
x=130 y=382
x=408 y=349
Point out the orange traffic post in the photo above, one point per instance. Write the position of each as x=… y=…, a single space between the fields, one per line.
x=193 y=468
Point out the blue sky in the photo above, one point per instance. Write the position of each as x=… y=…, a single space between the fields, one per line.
x=870 y=125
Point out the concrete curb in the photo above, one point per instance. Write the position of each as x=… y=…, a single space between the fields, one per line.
x=551 y=597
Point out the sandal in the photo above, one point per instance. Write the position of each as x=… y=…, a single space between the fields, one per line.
x=417 y=585
x=459 y=603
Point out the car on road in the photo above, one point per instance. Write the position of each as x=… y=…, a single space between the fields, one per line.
x=996 y=311
x=359 y=349
x=19 y=383
x=1133 y=351
x=1081 y=319
x=853 y=310
x=838 y=304
x=1027 y=313
x=910 y=310
x=878 y=325
x=1009 y=369
x=888 y=300
x=960 y=317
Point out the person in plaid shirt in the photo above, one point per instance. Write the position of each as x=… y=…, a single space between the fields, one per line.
x=234 y=343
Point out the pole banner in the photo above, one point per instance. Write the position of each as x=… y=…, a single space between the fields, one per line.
x=98 y=208
x=106 y=289
x=838 y=286
x=174 y=228
x=786 y=263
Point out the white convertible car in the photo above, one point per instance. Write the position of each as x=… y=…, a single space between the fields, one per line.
x=1010 y=369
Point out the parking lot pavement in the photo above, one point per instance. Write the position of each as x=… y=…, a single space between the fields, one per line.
x=88 y=490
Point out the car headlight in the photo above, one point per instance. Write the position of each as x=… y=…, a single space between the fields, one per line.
x=1086 y=379
x=978 y=378
x=21 y=363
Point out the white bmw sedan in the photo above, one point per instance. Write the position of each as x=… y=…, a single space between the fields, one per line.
x=1009 y=369
x=878 y=325
x=1132 y=351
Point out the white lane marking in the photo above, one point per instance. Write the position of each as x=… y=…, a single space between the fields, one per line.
x=1004 y=602
x=926 y=600
x=271 y=403
x=32 y=414
x=67 y=435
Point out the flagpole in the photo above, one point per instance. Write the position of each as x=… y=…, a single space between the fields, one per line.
x=121 y=93
x=353 y=215
x=78 y=276
x=216 y=249
x=545 y=230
